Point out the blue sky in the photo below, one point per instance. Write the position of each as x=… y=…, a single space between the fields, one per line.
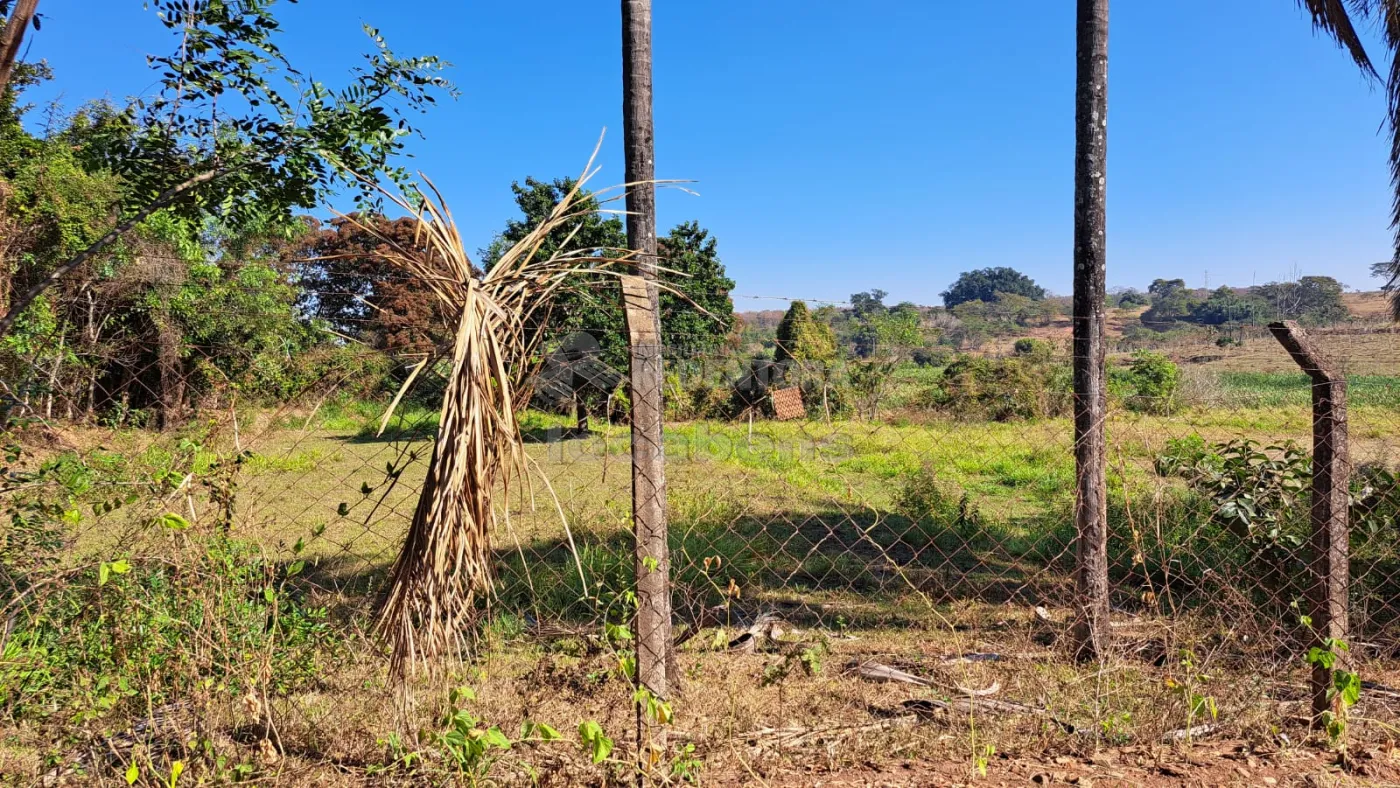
x=839 y=147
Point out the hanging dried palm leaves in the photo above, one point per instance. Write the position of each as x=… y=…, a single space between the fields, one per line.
x=444 y=567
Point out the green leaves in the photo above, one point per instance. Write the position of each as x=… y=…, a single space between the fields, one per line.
x=1321 y=657
x=591 y=734
x=176 y=769
x=173 y=522
x=106 y=569
x=539 y=731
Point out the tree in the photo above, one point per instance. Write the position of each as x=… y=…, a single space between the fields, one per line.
x=591 y=304
x=346 y=284
x=1171 y=302
x=866 y=308
x=1091 y=633
x=1312 y=299
x=688 y=254
x=985 y=284
x=802 y=338
x=1225 y=306
x=697 y=321
x=868 y=303
x=1131 y=297
x=222 y=142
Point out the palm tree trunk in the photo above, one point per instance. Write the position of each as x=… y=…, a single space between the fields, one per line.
x=12 y=36
x=653 y=566
x=1091 y=627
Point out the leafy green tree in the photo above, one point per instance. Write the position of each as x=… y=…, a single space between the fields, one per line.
x=223 y=141
x=1171 y=302
x=1313 y=299
x=868 y=303
x=986 y=284
x=803 y=338
x=1226 y=306
x=696 y=321
x=1131 y=298
x=592 y=305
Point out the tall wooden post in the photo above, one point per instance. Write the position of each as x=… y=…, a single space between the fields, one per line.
x=1330 y=566
x=1091 y=624
x=653 y=565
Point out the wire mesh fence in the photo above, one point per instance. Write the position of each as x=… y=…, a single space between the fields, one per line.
x=202 y=531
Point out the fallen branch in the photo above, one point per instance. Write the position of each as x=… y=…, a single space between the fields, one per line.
x=796 y=736
x=1186 y=734
x=925 y=707
x=875 y=671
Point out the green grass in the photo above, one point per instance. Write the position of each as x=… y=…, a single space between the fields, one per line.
x=1284 y=390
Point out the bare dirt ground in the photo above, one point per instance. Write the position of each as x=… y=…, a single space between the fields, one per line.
x=1231 y=763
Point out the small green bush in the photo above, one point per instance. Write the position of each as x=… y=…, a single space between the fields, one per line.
x=930 y=357
x=1033 y=348
x=1004 y=389
x=941 y=510
x=125 y=632
x=1151 y=380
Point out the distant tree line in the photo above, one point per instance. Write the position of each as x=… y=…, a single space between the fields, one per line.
x=1311 y=299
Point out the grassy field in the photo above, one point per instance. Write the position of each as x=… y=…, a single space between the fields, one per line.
x=807 y=520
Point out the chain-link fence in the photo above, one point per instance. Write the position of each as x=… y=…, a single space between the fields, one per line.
x=197 y=534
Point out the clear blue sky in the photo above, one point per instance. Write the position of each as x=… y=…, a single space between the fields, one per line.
x=842 y=146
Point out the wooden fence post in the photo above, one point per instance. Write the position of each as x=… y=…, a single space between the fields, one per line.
x=1330 y=569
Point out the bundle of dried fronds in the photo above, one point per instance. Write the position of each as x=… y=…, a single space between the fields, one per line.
x=444 y=567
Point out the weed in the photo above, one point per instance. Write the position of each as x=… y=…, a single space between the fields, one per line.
x=1189 y=687
x=470 y=746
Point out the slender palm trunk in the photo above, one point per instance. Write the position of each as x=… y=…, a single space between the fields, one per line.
x=1091 y=627
x=653 y=622
x=13 y=36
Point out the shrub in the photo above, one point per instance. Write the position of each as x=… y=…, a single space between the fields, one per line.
x=930 y=357
x=1005 y=389
x=941 y=509
x=1151 y=379
x=1033 y=348
x=1184 y=456
x=186 y=613
x=1255 y=499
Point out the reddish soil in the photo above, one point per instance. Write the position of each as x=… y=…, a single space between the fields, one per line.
x=1231 y=763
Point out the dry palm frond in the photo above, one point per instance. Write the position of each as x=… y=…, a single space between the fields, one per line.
x=444 y=567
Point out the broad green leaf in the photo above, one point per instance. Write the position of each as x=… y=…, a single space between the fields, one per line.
x=496 y=739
